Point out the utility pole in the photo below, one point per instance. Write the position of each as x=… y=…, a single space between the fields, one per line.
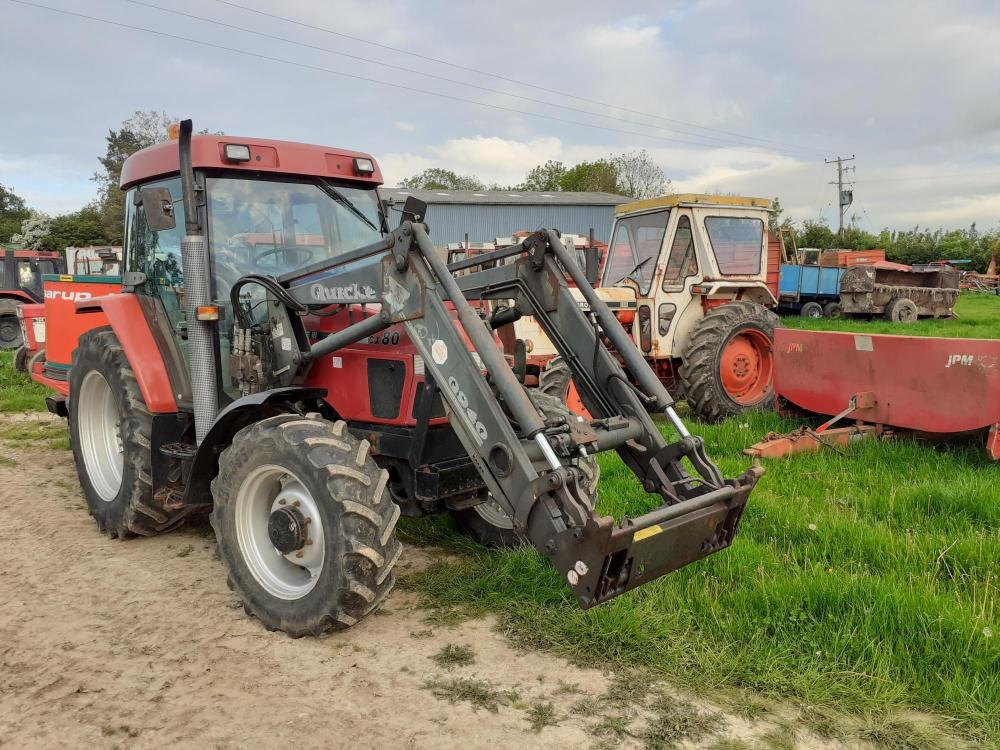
x=844 y=197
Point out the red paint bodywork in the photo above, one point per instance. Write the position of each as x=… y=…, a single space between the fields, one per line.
x=931 y=385
x=277 y=157
x=63 y=326
x=345 y=373
x=123 y=313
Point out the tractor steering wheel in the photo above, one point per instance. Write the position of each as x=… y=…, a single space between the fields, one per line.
x=309 y=253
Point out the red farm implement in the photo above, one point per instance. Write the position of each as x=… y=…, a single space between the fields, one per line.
x=937 y=387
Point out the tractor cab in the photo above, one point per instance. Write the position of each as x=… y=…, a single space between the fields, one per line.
x=679 y=256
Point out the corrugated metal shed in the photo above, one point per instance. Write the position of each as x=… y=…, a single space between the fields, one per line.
x=485 y=215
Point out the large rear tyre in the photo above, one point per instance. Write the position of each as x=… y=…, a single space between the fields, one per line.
x=728 y=365
x=109 y=429
x=304 y=524
x=10 y=326
x=554 y=379
x=488 y=523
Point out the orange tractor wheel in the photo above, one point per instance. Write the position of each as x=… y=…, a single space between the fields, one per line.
x=729 y=362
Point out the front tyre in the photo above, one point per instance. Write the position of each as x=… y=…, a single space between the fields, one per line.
x=488 y=523
x=729 y=362
x=304 y=524
x=109 y=429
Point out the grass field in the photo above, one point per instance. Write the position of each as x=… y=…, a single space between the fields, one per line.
x=863 y=584
x=17 y=391
x=978 y=318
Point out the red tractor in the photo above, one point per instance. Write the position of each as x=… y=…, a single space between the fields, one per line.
x=21 y=274
x=309 y=389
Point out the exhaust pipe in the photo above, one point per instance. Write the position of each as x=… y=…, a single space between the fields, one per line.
x=197 y=293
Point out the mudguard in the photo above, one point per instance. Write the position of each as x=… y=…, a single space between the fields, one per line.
x=125 y=315
x=232 y=419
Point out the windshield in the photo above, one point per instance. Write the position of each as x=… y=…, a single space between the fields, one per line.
x=634 y=248
x=277 y=226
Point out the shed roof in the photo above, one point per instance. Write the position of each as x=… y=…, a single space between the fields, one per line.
x=505 y=197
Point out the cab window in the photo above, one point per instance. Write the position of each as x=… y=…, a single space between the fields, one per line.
x=682 y=262
x=157 y=254
x=634 y=248
x=737 y=243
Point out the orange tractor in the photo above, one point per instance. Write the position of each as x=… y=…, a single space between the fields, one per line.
x=308 y=390
x=693 y=278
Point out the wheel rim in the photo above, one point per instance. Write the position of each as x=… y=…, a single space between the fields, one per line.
x=491 y=512
x=266 y=491
x=814 y=313
x=100 y=435
x=746 y=366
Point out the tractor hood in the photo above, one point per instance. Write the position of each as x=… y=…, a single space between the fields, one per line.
x=615 y=297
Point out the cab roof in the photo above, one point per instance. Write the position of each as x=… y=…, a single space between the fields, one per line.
x=692 y=199
x=278 y=157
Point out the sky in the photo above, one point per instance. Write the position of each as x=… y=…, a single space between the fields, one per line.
x=727 y=96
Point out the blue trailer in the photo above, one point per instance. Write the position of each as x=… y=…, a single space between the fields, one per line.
x=811 y=291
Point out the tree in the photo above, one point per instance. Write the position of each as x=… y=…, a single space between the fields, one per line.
x=545 y=177
x=78 y=229
x=599 y=176
x=34 y=231
x=141 y=130
x=638 y=176
x=436 y=178
x=13 y=212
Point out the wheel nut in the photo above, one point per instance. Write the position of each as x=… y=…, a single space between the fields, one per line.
x=282 y=501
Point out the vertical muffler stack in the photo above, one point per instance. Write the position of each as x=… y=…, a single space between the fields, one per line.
x=197 y=293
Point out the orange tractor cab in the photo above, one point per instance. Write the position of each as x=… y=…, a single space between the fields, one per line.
x=280 y=357
x=693 y=278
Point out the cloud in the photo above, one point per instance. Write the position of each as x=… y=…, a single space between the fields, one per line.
x=907 y=86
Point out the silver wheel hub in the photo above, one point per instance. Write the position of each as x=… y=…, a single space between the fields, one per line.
x=99 y=427
x=491 y=512
x=279 y=531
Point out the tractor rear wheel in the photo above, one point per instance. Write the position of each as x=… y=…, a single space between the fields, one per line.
x=901 y=310
x=488 y=523
x=554 y=379
x=728 y=365
x=109 y=429
x=305 y=524
x=10 y=327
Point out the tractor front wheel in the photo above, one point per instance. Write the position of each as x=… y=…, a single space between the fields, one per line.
x=109 y=429
x=304 y=524
x=728 y=365
x=488 y=523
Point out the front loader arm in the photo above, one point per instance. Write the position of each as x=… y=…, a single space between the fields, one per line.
x=523 y=460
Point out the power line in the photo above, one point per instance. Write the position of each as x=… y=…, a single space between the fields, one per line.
x=439 y=61
x=153 y=6
x=354 y=76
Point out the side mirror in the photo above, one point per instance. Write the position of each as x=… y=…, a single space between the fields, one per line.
x=158 y=207
x=414 y=209
x=593 y=258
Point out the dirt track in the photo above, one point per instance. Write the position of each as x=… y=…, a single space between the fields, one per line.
x=139 y=644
